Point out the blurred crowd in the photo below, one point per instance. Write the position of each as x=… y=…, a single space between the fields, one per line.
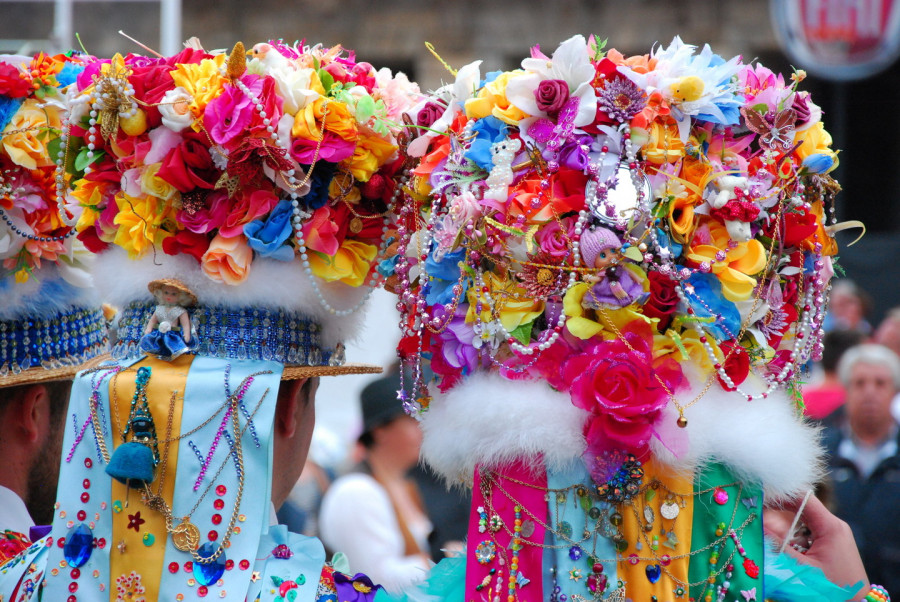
x=854 y=392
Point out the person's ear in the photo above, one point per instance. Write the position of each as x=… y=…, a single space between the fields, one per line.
x=30 y=413
x=289 y=407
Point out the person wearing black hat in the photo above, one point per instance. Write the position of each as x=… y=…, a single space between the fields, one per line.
x=374 y=515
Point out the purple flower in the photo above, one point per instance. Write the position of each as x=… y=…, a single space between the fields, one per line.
x=457 y=349
x=551 y=95
x=574 y=153
x=621 y=99
x=358 y=588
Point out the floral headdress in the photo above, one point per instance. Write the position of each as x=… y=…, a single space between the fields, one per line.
x=50 y=320
x=259 y=179
x=713 y=174
x=259 y=187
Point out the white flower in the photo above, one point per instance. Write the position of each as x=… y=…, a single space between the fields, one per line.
x=571 y=63
x=175 y=108
x=294 y=86
x=467 y=80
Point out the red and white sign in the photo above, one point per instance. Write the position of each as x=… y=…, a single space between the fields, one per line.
x=839 y=39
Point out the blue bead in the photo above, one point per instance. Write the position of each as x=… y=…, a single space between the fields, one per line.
x=79 y=545
x=654 y=572
x=575 y=553
x=208 y=573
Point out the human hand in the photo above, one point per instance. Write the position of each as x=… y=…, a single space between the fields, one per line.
x=827 y=540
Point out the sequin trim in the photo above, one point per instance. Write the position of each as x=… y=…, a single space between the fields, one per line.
x=65 y=339
x=244 y=334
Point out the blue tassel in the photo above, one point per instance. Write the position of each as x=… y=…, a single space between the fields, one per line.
x=132 y=464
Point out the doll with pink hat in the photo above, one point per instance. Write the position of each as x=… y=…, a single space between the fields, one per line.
x=613 y=284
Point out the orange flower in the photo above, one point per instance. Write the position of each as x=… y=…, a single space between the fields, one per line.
x=227 y=259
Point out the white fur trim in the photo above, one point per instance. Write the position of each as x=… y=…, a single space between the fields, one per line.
x=489 y=420
x=46 y=293
x=271 y=284
x=762 y=441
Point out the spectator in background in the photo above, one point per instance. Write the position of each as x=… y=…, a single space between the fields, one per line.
x=374 y=515
x=848 y=308
x=864 y=463
x=828 y=395
x=888 y=334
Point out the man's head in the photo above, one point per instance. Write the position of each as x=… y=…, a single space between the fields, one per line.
x=871 y=376
x=295 y=419
x=888 y=332
x=32 y=418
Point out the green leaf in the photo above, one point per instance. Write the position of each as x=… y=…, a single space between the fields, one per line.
x=82 y=160
x=326 y=79
x=523 y=333
x=633 y=253
x=365 y=109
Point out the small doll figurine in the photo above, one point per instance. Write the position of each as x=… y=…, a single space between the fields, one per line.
x=161 y=336
x=613 y=285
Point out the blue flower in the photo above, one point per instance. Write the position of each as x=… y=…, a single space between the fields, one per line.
x=267 y=238
x=818 y=163
x=68 y=74
x=8 y=108
x=668 y=243
x=323 y=173
x=487 y=131
x=443 y=275
x=708 y=289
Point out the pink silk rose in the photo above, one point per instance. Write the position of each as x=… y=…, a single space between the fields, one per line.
x=624 y=389
x=227 y=259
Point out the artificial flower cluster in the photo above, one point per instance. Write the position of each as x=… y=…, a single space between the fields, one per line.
x=32 y=102
x=280 y=152
x=620 y=227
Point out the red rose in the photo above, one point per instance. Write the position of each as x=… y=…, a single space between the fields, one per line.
x=737 y=364
x=12 y=84
x=623 y=388
x=551 y=95
x=186 y=242
x=663 y=299
x=430 y=113
x=150 y=83
x=189 y=165
x=91 y=240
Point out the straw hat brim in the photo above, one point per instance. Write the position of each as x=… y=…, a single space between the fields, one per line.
x=155 y=285
x=298 y=372
x=38 y=375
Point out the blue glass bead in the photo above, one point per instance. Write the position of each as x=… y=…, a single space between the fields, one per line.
x=79 y=545
x=654 y=572
x=207 y=573
x=575 y=553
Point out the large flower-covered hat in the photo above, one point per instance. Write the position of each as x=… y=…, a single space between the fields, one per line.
x=237 y=205
x=50 y=318
x=615 y=267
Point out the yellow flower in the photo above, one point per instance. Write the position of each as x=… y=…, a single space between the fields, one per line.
x=371 y=152
x=155 y=186
x=491 y=100
x=338 y=120
x=21 y=275
x=816 y=141
x=140 y=222
x=663 y=144
x=27 y=146
x=202 y=81
x=687 y=348
x=89 y=194
x=350 y=265
x=581 y=322
x=741 y=262
x=342 y=187
x=227 y=259
x=511 y=302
